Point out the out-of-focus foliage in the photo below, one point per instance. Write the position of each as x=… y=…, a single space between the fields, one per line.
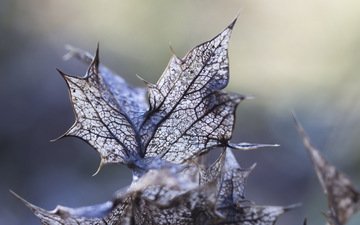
x=342 y=197
x=301 y=55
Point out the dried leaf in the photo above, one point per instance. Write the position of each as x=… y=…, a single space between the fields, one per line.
x=98 y=214
x=232 y=185
x=231 y=205
x=100 y=120
x=187 y=114
x=343 y=198
x=188 y=109
x=131 y=100
x=186 y=208
x=256 y=215
x=213 y=172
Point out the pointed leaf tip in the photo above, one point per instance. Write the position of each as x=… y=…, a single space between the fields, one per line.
x=293 y=206
x=60 y=72
x=172 y=49
x=247 y=97
x=94 y=65
x=149 y=84
x=97 y=55
x=299 y=127
x=28 y=204
x=58 y=138
x=232 y=24
x=250 y=146
x=252 y=167
x=101 y=165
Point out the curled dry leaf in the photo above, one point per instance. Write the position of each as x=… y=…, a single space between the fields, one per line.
x=160 y=137
x=161 y=196
x=343 y=198
x=188 y=113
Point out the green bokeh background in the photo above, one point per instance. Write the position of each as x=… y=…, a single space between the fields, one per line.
x=292 y=55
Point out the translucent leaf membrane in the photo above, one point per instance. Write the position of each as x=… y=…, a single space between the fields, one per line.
x=188 y=113
x=165 y=196
x=160 y=139
x=98 y=118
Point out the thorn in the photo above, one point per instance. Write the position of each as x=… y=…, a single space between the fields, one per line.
x=174 y=54
x=247 y=97
x=65 y=76
x=296 y=121
x=143 y=80
x=293 y=206
x=61 y=72
x=102 y=163
x=238 y=14
x=300 y=129
x=232 y=24
x=16 y=195
x=171 y=49
x=28 y=204
x=250 y=146
x=94 y=65
x=252 y=167
x=58 y=138
x=302 y=133
x=66 y=134
x=97 y=57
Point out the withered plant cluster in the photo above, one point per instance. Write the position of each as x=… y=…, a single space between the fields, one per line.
x=163 y=133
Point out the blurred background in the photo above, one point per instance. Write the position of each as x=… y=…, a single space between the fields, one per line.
x=292 y=55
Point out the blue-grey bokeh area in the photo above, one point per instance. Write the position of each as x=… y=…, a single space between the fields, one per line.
x=292 y=55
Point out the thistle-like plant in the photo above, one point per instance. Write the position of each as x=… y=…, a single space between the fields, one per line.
x=162 y=133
